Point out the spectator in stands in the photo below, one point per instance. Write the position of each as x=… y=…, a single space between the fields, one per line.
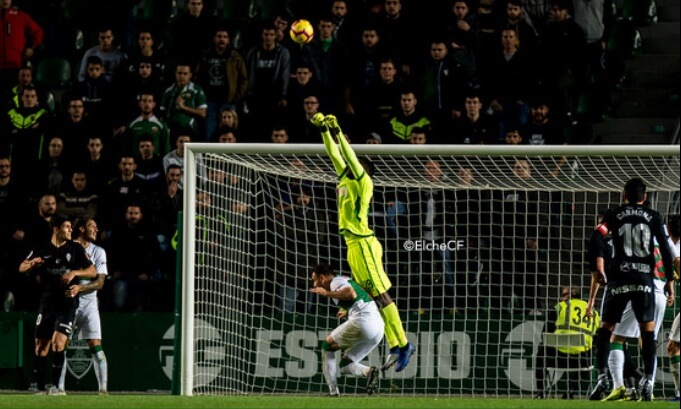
x=398 y=35
x=304 y=227
x=513 y=136
x=269 y=68
x=229 y=118
x=384 y=95
x=302 y=130
x=539 y=12
x=476 y=126
x=144 y=79
x=96 y=92
x=23 y=132
x=24 y=79
x=19 y=37
x=184 y=103
x=344 y=27
x=176 y=156
x=432 y=219
x=373 y=139
x=419 y=136
x=507 y=83
x=122 y=190
x=166 y=203
x=444 y=83
x=75 y=128
x=543 y=128
x=191 y=32
x=97 y=164
x=78 y=199
x=222 y=74
x=150 y=163
x=407 y=118
x=304 y=83
x=279 y=134
x=331 y=57
x=111 y=58
x=134 y=268
x=225 y=135
x=519 y=228
x=526 y=34
x=462 y=28
x=364 y=63
x=53 y=171
x=146 y=124
x=563 y=48
x=148 y=52
x=566 y=318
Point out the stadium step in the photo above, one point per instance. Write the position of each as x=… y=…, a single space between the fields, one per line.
x=657 y=126
x=661 y=38
x=656 y=63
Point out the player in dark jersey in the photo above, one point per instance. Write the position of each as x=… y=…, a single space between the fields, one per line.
x=58 y=264
x=629 y=275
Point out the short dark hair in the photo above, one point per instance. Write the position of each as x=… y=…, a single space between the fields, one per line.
x=93 y=59
x=81 y=221
x=56 y=221
x=323 y=269
x=635 y=189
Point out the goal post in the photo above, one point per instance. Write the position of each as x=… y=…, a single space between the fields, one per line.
x=477 y=242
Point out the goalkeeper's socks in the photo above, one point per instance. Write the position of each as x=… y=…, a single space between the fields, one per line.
x=393 y=324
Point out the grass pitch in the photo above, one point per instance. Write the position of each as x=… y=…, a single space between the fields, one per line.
x=24 y=401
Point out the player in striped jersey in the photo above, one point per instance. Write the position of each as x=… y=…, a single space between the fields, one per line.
x=87 y=321
x=357 y=336
x=365 y=254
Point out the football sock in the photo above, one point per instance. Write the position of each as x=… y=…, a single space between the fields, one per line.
x=329 y=369
x=603 y=350
x=616 y=364
x=355 y=369
x=39 y=371
x=393 y=324
x=676 y=359
x=58 y=359
x=100 y=365
x=62 y=377
x=648 y=353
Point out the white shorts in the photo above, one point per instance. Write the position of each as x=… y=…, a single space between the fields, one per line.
x=628 y=326
x=359 y=335
x=87 y=323
x=674 y=333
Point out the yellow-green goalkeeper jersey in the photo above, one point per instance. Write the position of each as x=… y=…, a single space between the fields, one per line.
x=354 y=200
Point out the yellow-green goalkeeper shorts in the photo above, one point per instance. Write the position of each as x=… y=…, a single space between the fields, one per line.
x=365 y=257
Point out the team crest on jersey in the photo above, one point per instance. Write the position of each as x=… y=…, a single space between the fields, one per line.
x=78 y=358
x=68 y=257
x=342 y=191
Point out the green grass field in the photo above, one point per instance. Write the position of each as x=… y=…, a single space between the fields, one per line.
x=21 y=401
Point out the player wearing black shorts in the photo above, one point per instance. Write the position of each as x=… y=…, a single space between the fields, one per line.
x=629 y=276
x=58 y=264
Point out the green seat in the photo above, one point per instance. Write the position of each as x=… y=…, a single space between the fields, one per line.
x=54 y=73
x=625 y=39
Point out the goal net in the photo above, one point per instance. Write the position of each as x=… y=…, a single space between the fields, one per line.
x=478 y=242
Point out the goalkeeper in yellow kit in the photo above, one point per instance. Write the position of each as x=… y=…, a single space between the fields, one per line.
x=365 y=253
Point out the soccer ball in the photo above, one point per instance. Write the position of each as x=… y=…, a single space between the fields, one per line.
x=301 y=31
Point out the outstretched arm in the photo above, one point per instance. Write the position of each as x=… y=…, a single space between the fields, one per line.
x=348 y=153
x=330 y=145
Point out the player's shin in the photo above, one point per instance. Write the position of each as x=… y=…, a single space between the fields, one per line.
x=100 y=366
x=39 y=371
x=616 y=364
x=355 y=369
x=58 y=359
x=393 y=326
x=648 y=353
x=329 y=369
x=676 y=363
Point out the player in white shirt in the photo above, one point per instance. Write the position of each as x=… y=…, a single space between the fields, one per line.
x=357 y=336
x=674 y=343
x=87 y=322
x=628 y=327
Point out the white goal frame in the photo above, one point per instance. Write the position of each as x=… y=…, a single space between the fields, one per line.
x=187 y=354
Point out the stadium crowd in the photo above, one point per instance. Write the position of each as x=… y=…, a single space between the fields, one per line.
x=107 y=140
